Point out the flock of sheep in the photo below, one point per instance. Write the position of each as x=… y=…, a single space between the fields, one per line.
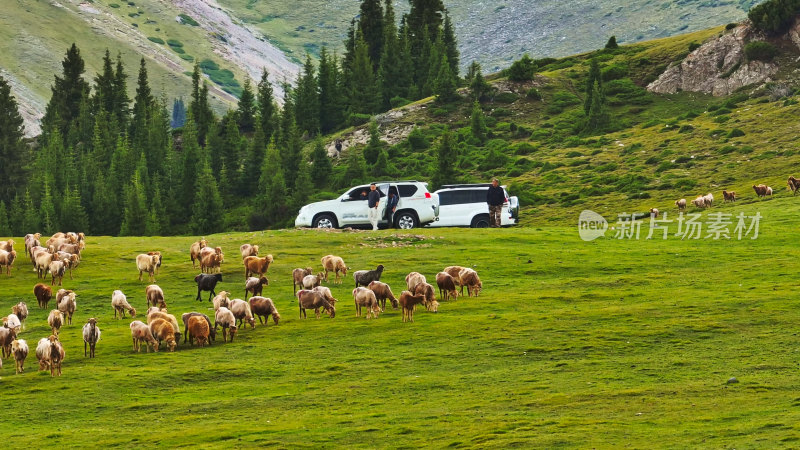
x=62 y=252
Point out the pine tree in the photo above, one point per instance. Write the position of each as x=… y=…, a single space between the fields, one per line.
x=159 y=137
x=190 y=167
x=307 y=104
x=5 y=226
x=522 y=69
x=451 y=45
x=364 y=91
x=13 y=152
x=47 y=212
x=157 y=219
x=200 y=109
x=31 y=222
x=272 y=187
x=374 y=145
x=321 y=166
x=423 y=69
x=290 y=152
x=597 y=118
x=425 y=16
x=370 y=23
x=266 y=107
x=16 y=216
x=393 y=75
x=252 y=164
x=446 y=157
x=478 y=85
x=231 y=147
x=142 y=106
x=178 y=113
x=123 y=163
x=445 y=86
x=303 y=186
x=478 y=123
x=121 y=101
x=106 y=218
x=207 y=209
x=73 y=216
x=105 y=95
x=331 y=97
x=612 y=43
x=356 y=169
x=68 y=90
x=246 y=110
x=594 y=81
x=134 y=217
x=382 y=167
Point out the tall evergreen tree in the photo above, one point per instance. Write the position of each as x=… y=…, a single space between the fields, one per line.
x=47 y=212
x=121 y=102
x=374 y=145
x=157 y=218
x=446 y=156
x=356 y=169
x=321 y=166
x=231 y=157
x=68 y=90
x=134 y=217
x=190 y=167
x=207 y=209
x=178 y=113
x=445 y=86
x=478 y=85
x=266 y=107
x=303 y=185
x=5 y=226
x=72 y=213
x=307 y=104
x=331 y=97
x=106 y=217
x=16 y=216
x=392 y=74
x=272 y=187
x=450 y=45
x=252 y=163
x=290 y=153
x=364 y=90
x=478 y=123
x=142 y=106
x=597 y=118
x=13 y=152
x=594 y=81
x=31 y=219
x=105 y=95
x=246 y=110
x=200 y=108
x=370 y=23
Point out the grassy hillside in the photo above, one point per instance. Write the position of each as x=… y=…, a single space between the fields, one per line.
x=604 y=344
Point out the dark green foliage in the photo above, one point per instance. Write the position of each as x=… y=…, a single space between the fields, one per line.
x=693 y=46
x=734 y=133
x=478 y=85
x=374 y=145
x=207 y=209
x=614 y=72
x=307 y=105
x=446 y=157
x=371 y=27
x=178 y=113
x=188 y=20
x=774 y=16
x=331 y=94
x=522 y=69
x=731 y=26
x=266 y=107
x=246 y=110
x=5 y=226
x=363 y=87
x=534 y=94
x=157 y=40
x=321 y=166
x=13 y=153
x=68 y=91
x=593 y=79
x=355 y=169
x=272 y=188
x=450 y=45
x=303 y=185
x=47 y=212
x=612 y=43
x=760 y=51
x=174 y=43
x=445 y=86
x=72 y=213
x=478 y=123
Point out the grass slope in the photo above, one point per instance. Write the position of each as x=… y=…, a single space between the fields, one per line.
x=572 y=344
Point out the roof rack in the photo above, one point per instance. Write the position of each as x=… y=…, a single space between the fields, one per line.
x=452 y=186
x=395 y=181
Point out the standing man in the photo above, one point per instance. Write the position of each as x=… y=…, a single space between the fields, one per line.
x=495 y=197
x=391 y=205
x=373 y=199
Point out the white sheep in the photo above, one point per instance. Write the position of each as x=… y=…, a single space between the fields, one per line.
x=120 y=304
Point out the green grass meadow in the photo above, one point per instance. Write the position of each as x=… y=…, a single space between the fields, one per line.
x=609 y=343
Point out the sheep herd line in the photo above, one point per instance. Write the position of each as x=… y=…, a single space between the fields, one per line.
x=62 y=253
x=706 y=201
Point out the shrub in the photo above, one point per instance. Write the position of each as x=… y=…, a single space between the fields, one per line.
x=397 y=102
x=157 y=40
x=534 y=94
x=574 y=154
x=524 y=148
x=722 y=119
x=734 y=133
x=501 y=112
x=682 y=159
x=614 y=72
x=760 y=51
x=686 y=129
x=417 y=140
x=506 y=97
x=652 y=160
x=113 y=5
x=188 y=20
x=727 y=149
x=522 y=69
x=185 y=57
x=174 y=43
x=612 y=43
x=774 y=16
x=693 y=46
x=731 y=26
x=666 y=165
x=208 y=64
x=356 y=119
x=685 y=183
x=178 y=50
x=745 y=149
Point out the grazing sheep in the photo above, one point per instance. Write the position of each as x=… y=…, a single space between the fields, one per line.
x=382 y=292
x=225 y=318
x=7 y=336
x=72 y=249
x=221 y=299
x=447 y=286
x=32 y=240
x=57 y=269
x=413 y=279
x=794 y=184
x=264 y=307
x=255 y=265
x=194 y=250
x=335 y=264
x=43 y=295
x=297 y=277
x=654 y=213
x=408 y=302
x=699 y=202
x=7 y=260
x=56 y=355
x=326 y=294
x=158 y=254
x=761 y=190
x=426 y=290
x=769 y=191
x=311 y=281
x=153 y=314
x=19 y=348
x=120 y=304
x=12 y=321
x=42 y=262
x=55 y=320
x=66 y=303
x=211 y=262
x=164 y=331
x=255 y=286
x=364 y=297
x=728 y=196
x=470 y=279
x=241 y=310
x=681 y=204
x=248 y=250
x=21 y=311
x=365 y=277
x=147 y=263
x=91 y=334
x=199 y=329
x=314 y=300
x=207 y=282
x=140 y=332
x=43 y=353
x=708 y=199
x=7 y=245
x=155 y=296
x=187 y=335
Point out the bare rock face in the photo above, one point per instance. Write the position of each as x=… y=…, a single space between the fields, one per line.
x=718 y=67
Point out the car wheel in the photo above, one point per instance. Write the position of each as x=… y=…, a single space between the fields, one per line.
x=406 y=220
x=480 y=222
x=324 y=221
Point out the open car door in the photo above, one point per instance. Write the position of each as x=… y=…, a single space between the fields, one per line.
x=384 y=191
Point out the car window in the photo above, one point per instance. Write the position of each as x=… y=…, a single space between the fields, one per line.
x=407 y=190
x=359 y=193
x=446 y=198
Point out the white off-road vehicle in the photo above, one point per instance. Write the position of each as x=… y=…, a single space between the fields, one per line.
x=464 y=205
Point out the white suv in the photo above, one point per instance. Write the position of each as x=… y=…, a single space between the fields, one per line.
x=464 y=205
x=415 y=207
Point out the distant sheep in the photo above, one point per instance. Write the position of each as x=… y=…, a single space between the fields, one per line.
x=708 y=199
x=224 y=318
x=91 y=334
x=413 y=279
x=297 y=277
x=365 y=298
x=309 y=299
x=21 y=311
x=43 y=353
x=120 y=304
x=241 y=311
x=155 y=296
x=447 y=286
x=794 y=184
x=365 y=277
x=248 y=250
x=207 y=282
x=147 y=263
x=681 y=204
x=761 y=190
x=43 y=294
x=140 y=332
x=254 y=286
x=7 y=259
x=187 y=334
x=699 y=202
x=263 y=308
x=382 y=293
x=408 y=302
x=7 y=336
x=194 y=250
x=728 y=196
x=335 y=264
x=254 y=265
x=66 y=303
x=19 y=349
x=654 y=213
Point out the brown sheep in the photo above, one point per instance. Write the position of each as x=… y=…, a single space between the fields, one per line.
x=194 y=250
x=794 y=184
x=335 y=264
x=7 y=260
x=728 y=196
x=164 y=331
x=43 y=294
x=427 y=291
x=7 y=336
x=264 y=307
x=408 y=302
x=155 y=314
x=198 y=327
x=255 y=286
x=382 y=292
x=254 y=265
x=65 y=302
x=155 y=296
x=654 y=212
x=364 y=297
x=470 y=279
x=297 y=277
x=187 y=335
x=681 y=204
x=314 y=300
x=70 y=261
x=56 y=355
x=211 y=262
x=447 y=286
x=248 y=250
x=7 y=245
x=147 y=263
x=761 y=190
x=140 y=332
x=73 y=249
x=241 y=311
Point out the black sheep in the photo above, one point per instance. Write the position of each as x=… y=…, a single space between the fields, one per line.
x=207 y=282
x=365 y=277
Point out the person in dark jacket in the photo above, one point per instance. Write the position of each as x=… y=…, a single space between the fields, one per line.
x=495 y=197
x=373 y=200
x=391 y=204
